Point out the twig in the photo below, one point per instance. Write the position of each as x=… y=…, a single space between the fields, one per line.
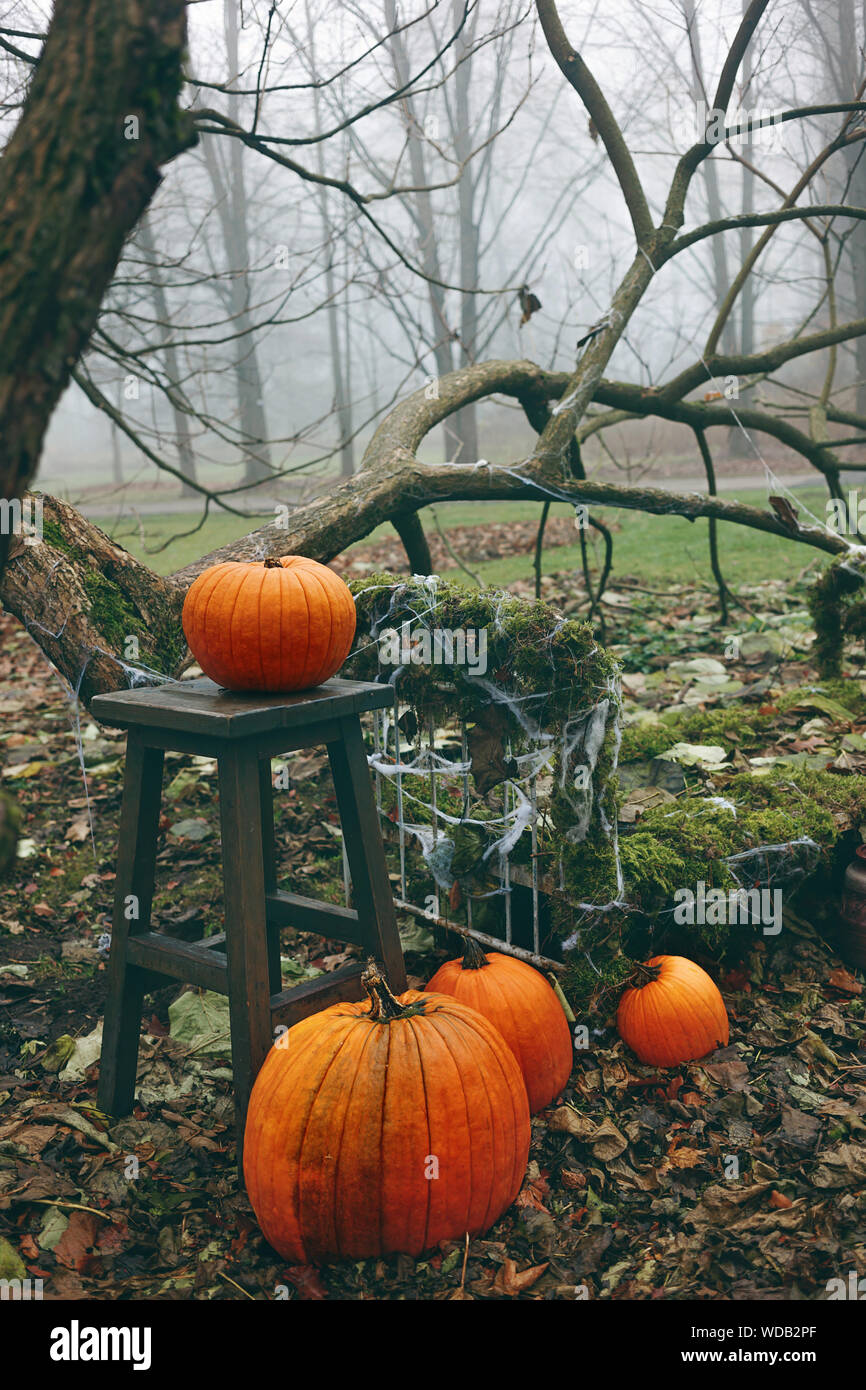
x=72 y=1206
x=451 y=551
x=245 y=1292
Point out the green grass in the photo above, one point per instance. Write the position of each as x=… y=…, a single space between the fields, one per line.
x=669 y=549
x=658 y=549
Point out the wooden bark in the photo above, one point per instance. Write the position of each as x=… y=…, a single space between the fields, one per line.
x=82 y=598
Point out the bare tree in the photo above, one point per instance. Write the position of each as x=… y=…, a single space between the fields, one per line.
x=186 y=457
x=228 y=177
x=567 y=407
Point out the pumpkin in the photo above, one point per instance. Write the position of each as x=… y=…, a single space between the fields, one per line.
x=384 y=1127
x=672 y=1012
x=520 y=1003
x=278 y=624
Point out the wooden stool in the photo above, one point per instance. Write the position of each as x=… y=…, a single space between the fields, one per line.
x=243 y=732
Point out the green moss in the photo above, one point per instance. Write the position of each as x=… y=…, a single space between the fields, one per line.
x=550 y=664
x=722 y=726
x=735 y=726
x=117 y=618
x=52 y=534
x=593 y=986
x=110 y=610
x=836 y=613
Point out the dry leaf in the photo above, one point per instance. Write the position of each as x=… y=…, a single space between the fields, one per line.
x=75 y=1246
x=511 y=1282
x=567 y=1121
x=845 y=982
x=607 y=1142
x=685 y=1158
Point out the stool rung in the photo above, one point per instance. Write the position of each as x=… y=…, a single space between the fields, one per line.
x=307 y=914
x=182 y=960
x=291 y=1005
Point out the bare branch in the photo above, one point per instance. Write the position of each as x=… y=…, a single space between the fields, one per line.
x=582 y=80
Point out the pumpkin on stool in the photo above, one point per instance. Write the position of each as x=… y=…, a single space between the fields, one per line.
x=520 y=1003
x=383 y=1127
x=274 y=625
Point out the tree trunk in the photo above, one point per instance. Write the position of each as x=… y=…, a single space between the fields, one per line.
x=231 y=200
x=737 y=442
x=186 y=457
x=855 y=192
x=466 y=422
x=339 y=349
x=99 y=119
x=424 y=218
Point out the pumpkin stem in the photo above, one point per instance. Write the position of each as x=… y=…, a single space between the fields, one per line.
x=272 y=563
x=383 y=1004
x=473 y=956
x=643 y=975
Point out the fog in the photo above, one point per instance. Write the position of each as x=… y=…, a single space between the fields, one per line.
x=262 y=320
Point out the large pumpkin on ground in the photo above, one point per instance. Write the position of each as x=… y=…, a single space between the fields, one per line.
x=384 y=1126
x=273 y=625
x=520 y=1003
x=672 y=1013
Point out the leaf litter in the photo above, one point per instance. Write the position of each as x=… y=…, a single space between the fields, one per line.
x=739 y=1176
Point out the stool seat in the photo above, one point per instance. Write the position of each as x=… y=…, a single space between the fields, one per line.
x=243 y=731
x=203 y=707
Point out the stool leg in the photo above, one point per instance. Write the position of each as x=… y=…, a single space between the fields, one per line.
x=245 y=923
x=269 y=860
x=359 y=818
x=136 y=864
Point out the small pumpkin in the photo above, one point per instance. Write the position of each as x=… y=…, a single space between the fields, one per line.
x=520 y=1003
x=274 y=625
x=384 y=1126
x=672 y=1012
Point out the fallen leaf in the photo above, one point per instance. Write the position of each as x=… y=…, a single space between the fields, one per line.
x=511 y=1282
x=607 y=1142
x=685 y=1157
x=844 y=982
x=75 y=1246
x=567 y=1121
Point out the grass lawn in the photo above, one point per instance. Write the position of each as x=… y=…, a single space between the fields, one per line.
x=656 y=548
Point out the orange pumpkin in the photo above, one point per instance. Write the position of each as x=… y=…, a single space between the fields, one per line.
x=282 y=624
x=672 y=1013
x=519 y=1002
x=384 y=1126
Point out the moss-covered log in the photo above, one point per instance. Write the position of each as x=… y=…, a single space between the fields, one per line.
x=99 y=615
x=837 y=602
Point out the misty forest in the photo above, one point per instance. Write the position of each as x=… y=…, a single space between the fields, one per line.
x=433 y=651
